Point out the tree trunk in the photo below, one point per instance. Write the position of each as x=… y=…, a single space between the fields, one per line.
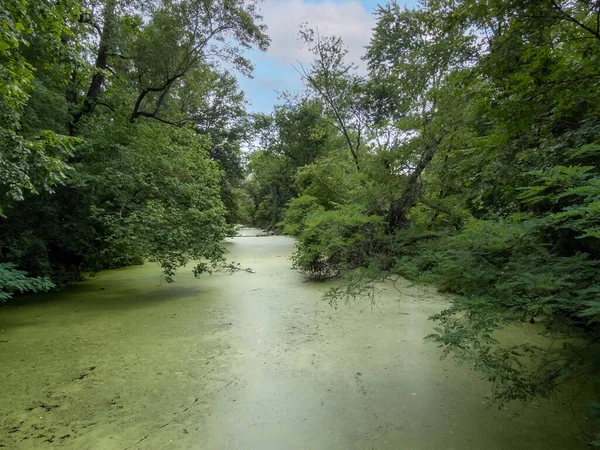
x=399 y=207
x=95 y=88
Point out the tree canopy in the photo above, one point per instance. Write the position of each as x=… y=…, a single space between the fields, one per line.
x=120 y=133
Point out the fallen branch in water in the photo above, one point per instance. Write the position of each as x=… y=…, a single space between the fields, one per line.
x=261 y=234
x=266 y=233
x=234 y=267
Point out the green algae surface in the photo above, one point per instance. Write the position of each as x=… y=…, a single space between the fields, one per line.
x=244 y=361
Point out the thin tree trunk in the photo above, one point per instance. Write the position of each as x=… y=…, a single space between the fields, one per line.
x=99 y=77
x=442 y=192
x=399 y=207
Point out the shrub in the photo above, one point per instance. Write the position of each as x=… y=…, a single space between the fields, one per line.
x=333 y=241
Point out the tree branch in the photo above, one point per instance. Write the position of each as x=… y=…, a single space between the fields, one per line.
x=331 y=102
x=192 y=58
x=569 y=18
x=159 y=119
x=101 y=64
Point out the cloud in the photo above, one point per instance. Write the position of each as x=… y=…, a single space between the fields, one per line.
x=274 y=83
x=347 y=19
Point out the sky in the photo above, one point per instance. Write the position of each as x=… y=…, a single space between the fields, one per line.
x=352 y=20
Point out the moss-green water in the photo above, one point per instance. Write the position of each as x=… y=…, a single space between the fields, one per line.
x=243 y=361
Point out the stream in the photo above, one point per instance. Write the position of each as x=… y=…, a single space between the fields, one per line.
x=246 y=361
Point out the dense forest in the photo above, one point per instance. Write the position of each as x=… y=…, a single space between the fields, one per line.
x=463 y=152
x=121 y=128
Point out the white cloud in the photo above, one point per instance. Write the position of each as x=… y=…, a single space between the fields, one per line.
x=347 y=19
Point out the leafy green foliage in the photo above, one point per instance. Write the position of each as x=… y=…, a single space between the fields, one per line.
x=119 y=139
x=337 y=240
x=292 y=138
x=270 y=187
x=359 y=288
x=297 y=212
x=29 y=163
x=158 y=197
x=330 y=179
x=13 y=280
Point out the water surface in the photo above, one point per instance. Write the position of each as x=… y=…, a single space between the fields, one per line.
x=244 y=361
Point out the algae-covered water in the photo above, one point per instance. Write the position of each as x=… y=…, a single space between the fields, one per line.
x=244 y=361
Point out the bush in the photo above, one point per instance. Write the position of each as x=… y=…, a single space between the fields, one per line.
x=333 y=241
x=507 y=263
x=297 y=212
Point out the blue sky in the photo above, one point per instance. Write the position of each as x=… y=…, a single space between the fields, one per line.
x=350 y=19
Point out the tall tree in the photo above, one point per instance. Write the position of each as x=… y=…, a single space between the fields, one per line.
x=178 y=38
x=410 y=57
x=333 y=80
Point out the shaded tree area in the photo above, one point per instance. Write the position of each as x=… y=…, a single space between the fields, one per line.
x=466 y=155
x=120 y=134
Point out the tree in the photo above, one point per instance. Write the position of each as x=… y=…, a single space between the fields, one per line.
x=411 y=57
x=332 y=80
x=293 y=137
x=37 y=162
x=216 y=107
x=136 y=84
x=180 y=37
x=158 y=198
